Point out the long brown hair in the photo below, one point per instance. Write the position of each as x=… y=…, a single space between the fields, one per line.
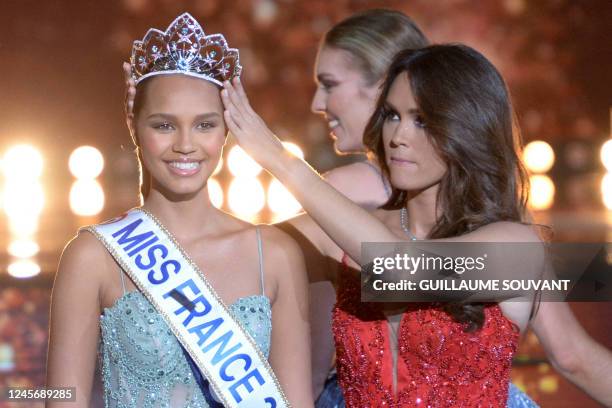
x=466 y=109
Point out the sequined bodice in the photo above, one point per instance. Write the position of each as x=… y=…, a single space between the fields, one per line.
x=142 y=362
x=438 y=363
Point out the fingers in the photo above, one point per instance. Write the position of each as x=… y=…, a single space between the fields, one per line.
x=129 y=101
x=127 y=72
x=231 y=109
x=235 y=99
x=231 y=124
x=237 y=84
x=130 y=93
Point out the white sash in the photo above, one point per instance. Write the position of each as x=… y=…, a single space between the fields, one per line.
x=226 y=355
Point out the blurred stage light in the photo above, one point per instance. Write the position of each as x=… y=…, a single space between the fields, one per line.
x=7 y=357
x=606 y=155
x=215 y=192
x=264 y=12
x=86 y=162
x=240 y=164
x=219 y=167
x=23 y=226
x=22 y=163
x=23 y=248
x=294 y=149
x=23 y=268
x=549 y=384
x=606 y=190
x=538 y=156
x=23 y=199
x=86 y=197
x=246 y=196
x=542 y=193
x=281 y=201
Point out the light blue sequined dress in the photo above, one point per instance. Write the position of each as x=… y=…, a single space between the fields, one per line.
x=143 y=364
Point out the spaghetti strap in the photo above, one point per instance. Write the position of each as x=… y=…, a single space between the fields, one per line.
x=121 y=273
x=259 y=249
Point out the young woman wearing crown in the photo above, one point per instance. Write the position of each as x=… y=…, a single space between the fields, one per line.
x=185 y=305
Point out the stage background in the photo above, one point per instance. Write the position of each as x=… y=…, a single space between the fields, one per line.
x=61 y=87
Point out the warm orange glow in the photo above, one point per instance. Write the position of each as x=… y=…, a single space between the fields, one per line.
x=542 y=194
x=538 y=156
x=86 y=162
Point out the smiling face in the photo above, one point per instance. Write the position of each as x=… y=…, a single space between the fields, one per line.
x=181 y=132
x=414 y=163
x=343 y=97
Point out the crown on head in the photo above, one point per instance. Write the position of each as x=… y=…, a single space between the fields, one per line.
x=184 y=49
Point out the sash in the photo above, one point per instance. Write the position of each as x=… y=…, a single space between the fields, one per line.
x=225 y=354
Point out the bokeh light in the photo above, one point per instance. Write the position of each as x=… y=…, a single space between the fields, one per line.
x=215 y=192
x=606 y=190
x=23 y=199
x=281 y=201
x=548 y=384
x=23 y=226
x=86 y=162
x=86 y=197
x=22 y=163
x=240 y=164
x=23 y=248
x=246 y=197
x=606 y=155
x=538 y=156
x=23 y=268
x=542 y=193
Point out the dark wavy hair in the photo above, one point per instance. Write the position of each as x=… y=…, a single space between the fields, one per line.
x=466 y=109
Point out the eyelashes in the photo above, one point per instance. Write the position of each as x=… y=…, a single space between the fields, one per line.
x=327 y=86
x=390 y=115
x=167 y=126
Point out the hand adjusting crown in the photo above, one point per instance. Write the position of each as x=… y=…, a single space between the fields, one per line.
x=184 y=49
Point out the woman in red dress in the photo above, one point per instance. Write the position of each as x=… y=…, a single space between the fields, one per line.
x=444 y=134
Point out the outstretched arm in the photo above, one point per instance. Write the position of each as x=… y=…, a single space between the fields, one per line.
x=347 y=224
x=574 y=353
x=305 y=183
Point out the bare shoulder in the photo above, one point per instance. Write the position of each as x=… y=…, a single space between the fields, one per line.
x=360 y=182
x=506 y=231
x=85 y=248
x=362 y=169
x=279 y=244
x=82 y=275
x=85 y=258
x=283 y=260
x=347 y=175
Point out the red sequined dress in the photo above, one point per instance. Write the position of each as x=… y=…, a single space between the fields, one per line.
x=438 y=364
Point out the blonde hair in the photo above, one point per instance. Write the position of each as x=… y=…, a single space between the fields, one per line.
x=373 y=38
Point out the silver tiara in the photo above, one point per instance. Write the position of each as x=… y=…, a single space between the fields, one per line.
x=184 y=49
